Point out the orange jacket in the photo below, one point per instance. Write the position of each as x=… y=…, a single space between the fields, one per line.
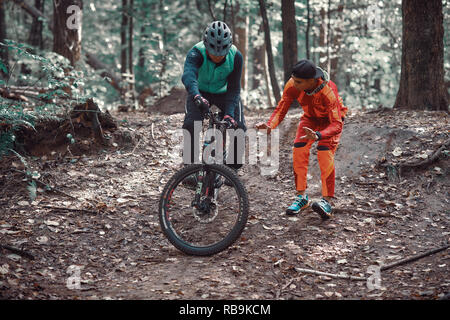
x=325 y=105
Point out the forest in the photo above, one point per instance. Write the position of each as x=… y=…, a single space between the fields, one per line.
x=92 y=98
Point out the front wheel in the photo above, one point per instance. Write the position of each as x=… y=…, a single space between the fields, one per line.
x=199 y=213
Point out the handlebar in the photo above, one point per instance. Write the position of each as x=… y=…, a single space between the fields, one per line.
x=212 y=116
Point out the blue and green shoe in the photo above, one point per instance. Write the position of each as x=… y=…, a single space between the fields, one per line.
x=300 y=203
x=323 y=208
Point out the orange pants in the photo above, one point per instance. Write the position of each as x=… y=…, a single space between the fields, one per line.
x=326 y=149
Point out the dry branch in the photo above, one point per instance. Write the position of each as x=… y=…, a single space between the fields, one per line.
x=8 y=94
x=414 y=258
x=18 y=251
x=70 y=209
x=373 y=213
x=332 y=275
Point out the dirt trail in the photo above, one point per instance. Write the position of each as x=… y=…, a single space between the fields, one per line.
x=120 y=253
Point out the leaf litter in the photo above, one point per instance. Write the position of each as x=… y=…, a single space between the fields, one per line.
x=123 y=254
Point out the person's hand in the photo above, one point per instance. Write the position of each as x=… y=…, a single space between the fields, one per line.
x=309 y=134
x=202 y=104
x=263 y=126
x=231 y=123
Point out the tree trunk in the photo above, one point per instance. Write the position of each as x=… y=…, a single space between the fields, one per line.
x=267 y=82
x=35 y=39
x=123 y=38
x=308 y=27
x=328 y=44
x=259 y=61
x=422 y=74
x=162 y=46
x=210 y=7
x=3 y=50
x=290 y=52
x=67 y=29
x=337 y=37
x=37 y=26
x=141 y=54
x=273 y=78
x=224 y=12
x=242 y=41
x=130 y=39
x=109 y=76
x=323 y=35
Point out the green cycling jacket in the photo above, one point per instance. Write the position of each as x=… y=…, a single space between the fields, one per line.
x=211 y=77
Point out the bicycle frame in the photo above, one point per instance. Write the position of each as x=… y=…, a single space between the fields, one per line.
x=205 y=179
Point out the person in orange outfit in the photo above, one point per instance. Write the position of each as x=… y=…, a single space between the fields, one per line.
x=321 y=121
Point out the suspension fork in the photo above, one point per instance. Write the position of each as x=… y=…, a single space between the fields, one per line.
x=205 y=186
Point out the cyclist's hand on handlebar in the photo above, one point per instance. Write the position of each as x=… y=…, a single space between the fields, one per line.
x=231 y=123
x=202 y=104
x=263 y=126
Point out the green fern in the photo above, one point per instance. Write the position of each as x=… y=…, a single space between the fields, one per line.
x=6 y=142
x=52 y=73
x=32 y=189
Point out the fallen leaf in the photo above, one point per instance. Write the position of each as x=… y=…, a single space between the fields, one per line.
x=42 y=239
x=73 y=173
x=422 y=156
x=4 y=269
x=397 y=152
x=51 y=223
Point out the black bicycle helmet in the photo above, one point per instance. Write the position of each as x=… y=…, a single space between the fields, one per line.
x=218 y=38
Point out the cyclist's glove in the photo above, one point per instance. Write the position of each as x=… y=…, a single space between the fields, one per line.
x=202 y=104
x=231 y=123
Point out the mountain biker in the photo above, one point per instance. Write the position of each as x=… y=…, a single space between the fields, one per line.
x=212 y=75
x=321 y=121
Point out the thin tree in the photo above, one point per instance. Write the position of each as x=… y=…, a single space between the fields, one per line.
x=130 y=38
x=273 y=78
x=259 y=75
x=336 y=40
x=240 y=26
x=259 y=60
x=323 y=36
x=3 y=49
x=123 y=37
x=422 y=74
x=35 y=38
x=308 y=27
x=289 y=27
x=162 y=45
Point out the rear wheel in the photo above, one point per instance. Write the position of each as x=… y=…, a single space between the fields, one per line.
x=207 y=218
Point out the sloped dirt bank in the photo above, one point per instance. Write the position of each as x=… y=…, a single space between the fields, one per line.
x=85 y=130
